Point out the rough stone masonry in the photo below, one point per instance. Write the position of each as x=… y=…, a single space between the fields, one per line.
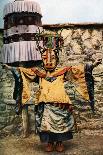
x=82 y=43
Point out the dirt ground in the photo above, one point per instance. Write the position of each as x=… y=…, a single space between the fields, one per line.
x=80 y=145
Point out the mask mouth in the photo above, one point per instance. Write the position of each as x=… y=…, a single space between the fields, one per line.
x=50 y=66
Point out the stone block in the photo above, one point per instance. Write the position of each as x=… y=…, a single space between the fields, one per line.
x=9 y=101
x=8 y=128
x=11 y=119
x=4 y=114
x=2 y=126
x=9 y=107
x=3 y=120
x=2 y=107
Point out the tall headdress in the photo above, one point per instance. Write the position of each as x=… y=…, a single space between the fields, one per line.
x=21 y=21
x=52 y=40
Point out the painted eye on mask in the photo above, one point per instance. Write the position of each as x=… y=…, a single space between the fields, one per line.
x=55 y=50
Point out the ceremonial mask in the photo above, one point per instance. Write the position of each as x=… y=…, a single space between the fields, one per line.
x=49 y=59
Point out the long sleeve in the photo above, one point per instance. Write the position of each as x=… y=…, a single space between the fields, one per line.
x=17 y=89
x=23 y=77
x=90 y=83
x=18 y=83
x=27 y=76
x=81 y=77
x=78 y=79
x=21 y=93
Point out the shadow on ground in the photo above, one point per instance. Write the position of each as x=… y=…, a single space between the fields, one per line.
x=80 y=145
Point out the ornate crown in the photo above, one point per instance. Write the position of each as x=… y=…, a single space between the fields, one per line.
x=51 y=40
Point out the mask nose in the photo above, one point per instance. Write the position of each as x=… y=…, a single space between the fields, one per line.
x=49 y=60
x=49 y=64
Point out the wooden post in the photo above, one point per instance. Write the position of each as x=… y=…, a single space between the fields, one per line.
x=25 y=121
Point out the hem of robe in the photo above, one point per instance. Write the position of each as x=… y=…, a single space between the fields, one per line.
x=46 y=137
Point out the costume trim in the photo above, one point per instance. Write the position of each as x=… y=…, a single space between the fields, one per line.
x=60 y=71
x=20 y=29
x=20 y=37
x=39 y=72
x=24 y=18
x=20 y=51
x=21 y=6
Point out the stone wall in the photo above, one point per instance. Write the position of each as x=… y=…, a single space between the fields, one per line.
x=82 y=44
x=8 y=118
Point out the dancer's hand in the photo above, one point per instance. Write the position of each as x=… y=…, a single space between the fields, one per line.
x=97 y=62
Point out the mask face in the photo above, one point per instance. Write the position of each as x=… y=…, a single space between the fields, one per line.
x=49 y=59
